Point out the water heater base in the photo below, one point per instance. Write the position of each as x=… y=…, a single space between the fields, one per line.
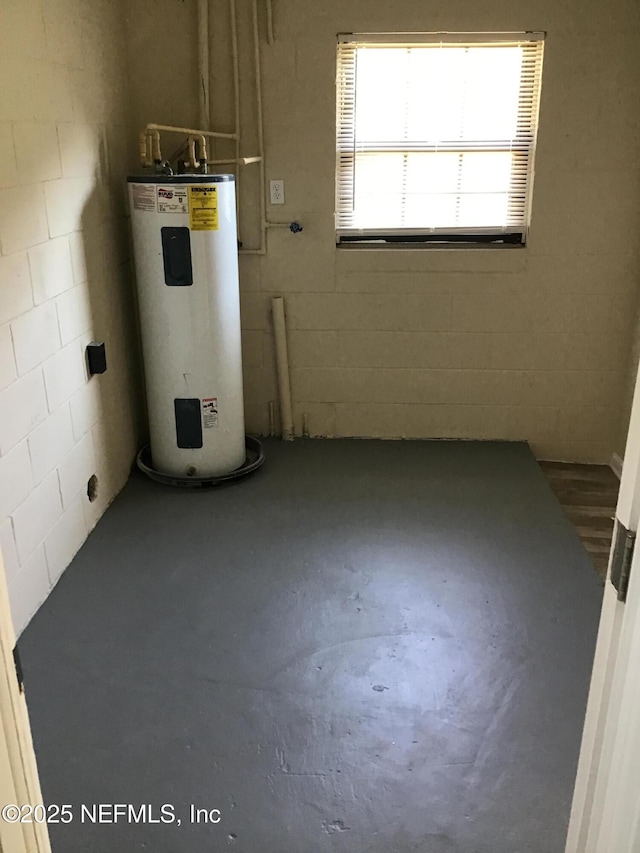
x=253 y=460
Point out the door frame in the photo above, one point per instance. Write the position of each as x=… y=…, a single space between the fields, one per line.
x=18 y=766
x=604 y=814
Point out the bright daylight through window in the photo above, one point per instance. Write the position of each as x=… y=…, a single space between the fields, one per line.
x=436 y=136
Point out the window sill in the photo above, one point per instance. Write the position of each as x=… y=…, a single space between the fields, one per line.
x=371 y=245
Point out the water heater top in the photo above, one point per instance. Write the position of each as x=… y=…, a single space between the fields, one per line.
x=179 y=179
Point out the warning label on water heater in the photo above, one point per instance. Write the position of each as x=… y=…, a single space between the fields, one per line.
x=172 y=200
x=144 y=197
x=203 y=208
x=210 y=412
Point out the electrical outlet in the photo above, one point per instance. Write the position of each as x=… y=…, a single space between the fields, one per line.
x=276 y=192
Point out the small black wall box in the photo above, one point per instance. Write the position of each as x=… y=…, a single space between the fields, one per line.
x=96 y=357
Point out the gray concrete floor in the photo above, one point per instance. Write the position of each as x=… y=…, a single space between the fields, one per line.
x=372 y=647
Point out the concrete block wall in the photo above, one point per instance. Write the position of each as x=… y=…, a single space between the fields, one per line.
x=509 y=344
x=65 y=280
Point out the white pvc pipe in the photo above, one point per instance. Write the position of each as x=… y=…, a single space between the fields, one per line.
x=153 y=131
x=241 y=161
x=189 y=131
x=155 y=146
x=144 y=145
x=282 y=365
x=260 y=121
x=203 y=62
x=192 y=153
x=236 y=99
x=260 y=111
x=269 y=22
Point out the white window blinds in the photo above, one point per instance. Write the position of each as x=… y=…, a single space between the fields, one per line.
x=436 y=136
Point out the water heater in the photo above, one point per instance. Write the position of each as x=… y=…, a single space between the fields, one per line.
x=186 y=259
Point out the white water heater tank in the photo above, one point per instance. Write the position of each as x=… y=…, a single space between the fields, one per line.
x=186 y=259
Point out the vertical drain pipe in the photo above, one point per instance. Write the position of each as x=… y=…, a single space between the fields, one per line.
x=269 y=22
x=236 y=101
x=203 y=62
x=260 y=113
x=282 y=365
x=260 y=121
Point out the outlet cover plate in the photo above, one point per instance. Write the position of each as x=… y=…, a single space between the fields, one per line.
x=276 y=191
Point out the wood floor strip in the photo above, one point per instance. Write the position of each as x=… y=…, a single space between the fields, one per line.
x=588 y=495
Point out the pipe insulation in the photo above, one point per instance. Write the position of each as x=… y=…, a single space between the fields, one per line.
x=282 y=366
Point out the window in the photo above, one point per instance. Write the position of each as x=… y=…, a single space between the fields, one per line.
x=436 y=136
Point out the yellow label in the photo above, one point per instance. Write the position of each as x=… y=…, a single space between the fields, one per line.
x=203 y=208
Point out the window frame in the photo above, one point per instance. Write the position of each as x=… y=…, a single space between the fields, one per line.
x=509 y=236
